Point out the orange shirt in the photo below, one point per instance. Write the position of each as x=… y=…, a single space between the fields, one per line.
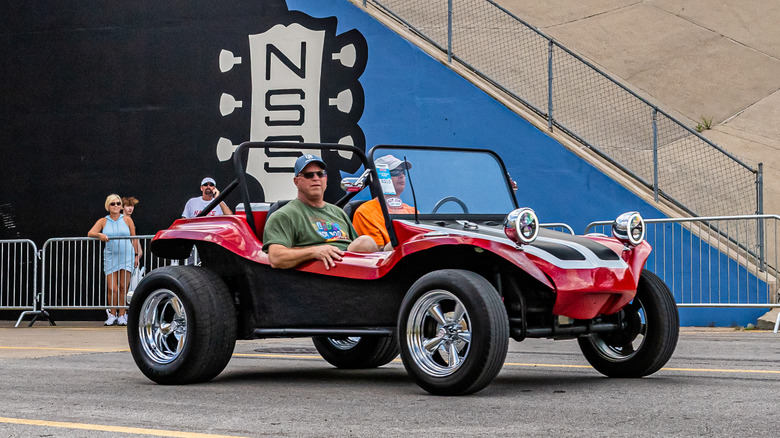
x=368 y=221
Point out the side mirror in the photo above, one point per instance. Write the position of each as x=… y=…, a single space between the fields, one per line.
x=512 y=182
x=351 y=185
x=355 y=184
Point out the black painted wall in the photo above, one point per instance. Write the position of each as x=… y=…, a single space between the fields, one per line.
x=105 y=96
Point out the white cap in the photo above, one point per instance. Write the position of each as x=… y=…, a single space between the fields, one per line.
x=392 y=162
x=207 y=180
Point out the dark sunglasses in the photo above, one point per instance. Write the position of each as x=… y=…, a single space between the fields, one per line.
x=396 y=172
x=310 y=175
x=208 y=185
x=115 y=203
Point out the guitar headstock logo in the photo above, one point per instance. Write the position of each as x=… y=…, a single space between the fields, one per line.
x=304 y=88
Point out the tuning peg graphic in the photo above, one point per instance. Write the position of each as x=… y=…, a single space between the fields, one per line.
x=225 y=149
x=347 y=55
x=228 y=104
x=343 y=101
x=227 y=60
x=346 y=154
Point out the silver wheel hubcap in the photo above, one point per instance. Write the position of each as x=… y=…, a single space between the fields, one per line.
x=162 y=326
x=438 y=333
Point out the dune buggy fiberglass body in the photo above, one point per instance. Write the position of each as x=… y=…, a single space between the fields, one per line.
x=469 y=270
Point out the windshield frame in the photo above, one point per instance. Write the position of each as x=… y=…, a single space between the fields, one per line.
x=375 y=188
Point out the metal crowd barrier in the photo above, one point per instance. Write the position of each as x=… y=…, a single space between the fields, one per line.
x=719 y=261
x=72 y=274
x=558 y=226
x=18 y=274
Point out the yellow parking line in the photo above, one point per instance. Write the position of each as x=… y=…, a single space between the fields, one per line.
x=118 y=429
x=279 y=356
x=698 y=370
x=545 y=365
x=316 y=357
x=287 y=356
x=715 y=370
x=529 y=365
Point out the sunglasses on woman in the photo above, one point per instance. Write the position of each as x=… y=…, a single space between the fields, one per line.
x=310 y=175
x=114 y=203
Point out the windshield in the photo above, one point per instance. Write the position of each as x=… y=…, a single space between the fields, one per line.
x=447 y=183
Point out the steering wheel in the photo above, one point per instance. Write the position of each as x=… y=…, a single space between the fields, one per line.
x=447 y=199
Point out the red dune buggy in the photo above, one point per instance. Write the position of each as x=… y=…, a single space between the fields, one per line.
x=469 y=270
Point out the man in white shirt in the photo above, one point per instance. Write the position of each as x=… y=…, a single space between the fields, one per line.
x=208 y=188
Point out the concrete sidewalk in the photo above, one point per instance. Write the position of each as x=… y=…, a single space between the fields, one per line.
x=66 y=338
x=695 y=58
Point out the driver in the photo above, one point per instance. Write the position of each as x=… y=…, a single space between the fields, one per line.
x=368 y=218
x=308 y=228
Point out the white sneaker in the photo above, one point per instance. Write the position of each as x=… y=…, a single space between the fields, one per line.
x=111 y=320
x=122 y=320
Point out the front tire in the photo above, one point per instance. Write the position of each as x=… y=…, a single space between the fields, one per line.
x=648 y=340
x=181 y=325
x=357 y=352
x=454 y=332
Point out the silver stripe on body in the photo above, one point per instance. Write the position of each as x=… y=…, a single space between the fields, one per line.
x=591 y=260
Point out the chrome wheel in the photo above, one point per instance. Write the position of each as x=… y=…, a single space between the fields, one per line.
x=647 y=337
x=453 y=331
x=357 y=352
x=182 y=325
x=344 y=343
x=162 y=326
x=438 y=333
x=617 y=347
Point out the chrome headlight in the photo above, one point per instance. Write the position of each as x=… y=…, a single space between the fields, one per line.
x=521 y=226
x=629 y=228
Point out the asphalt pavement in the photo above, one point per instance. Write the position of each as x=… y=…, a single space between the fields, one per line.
x=79 y=379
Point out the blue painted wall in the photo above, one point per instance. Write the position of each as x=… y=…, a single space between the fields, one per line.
x=411 y=98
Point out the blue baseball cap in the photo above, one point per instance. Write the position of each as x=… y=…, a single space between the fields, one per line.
x=305 y=159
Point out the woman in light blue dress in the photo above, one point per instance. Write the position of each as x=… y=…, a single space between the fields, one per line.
x=120 y=256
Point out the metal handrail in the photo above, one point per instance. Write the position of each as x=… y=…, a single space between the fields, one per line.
x=685 y=201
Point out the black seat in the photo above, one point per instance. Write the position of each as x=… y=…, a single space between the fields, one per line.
x=275 y=206
x=352 y=206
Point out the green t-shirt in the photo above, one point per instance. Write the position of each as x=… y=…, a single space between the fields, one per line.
x=298 y=224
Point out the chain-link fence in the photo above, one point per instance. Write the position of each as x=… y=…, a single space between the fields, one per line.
x=593 y=108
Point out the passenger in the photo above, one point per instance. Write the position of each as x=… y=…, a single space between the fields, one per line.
x=308 y=228
x=120 y=256
x=368 y=219
x=208 y=189
x=128 y=206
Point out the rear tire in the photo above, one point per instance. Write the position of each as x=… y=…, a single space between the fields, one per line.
x=357 y=352
x=454 y=332
x=181 y=325
x=648 y=341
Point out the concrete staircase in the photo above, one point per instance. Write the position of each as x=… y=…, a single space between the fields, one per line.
x=695 y=58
